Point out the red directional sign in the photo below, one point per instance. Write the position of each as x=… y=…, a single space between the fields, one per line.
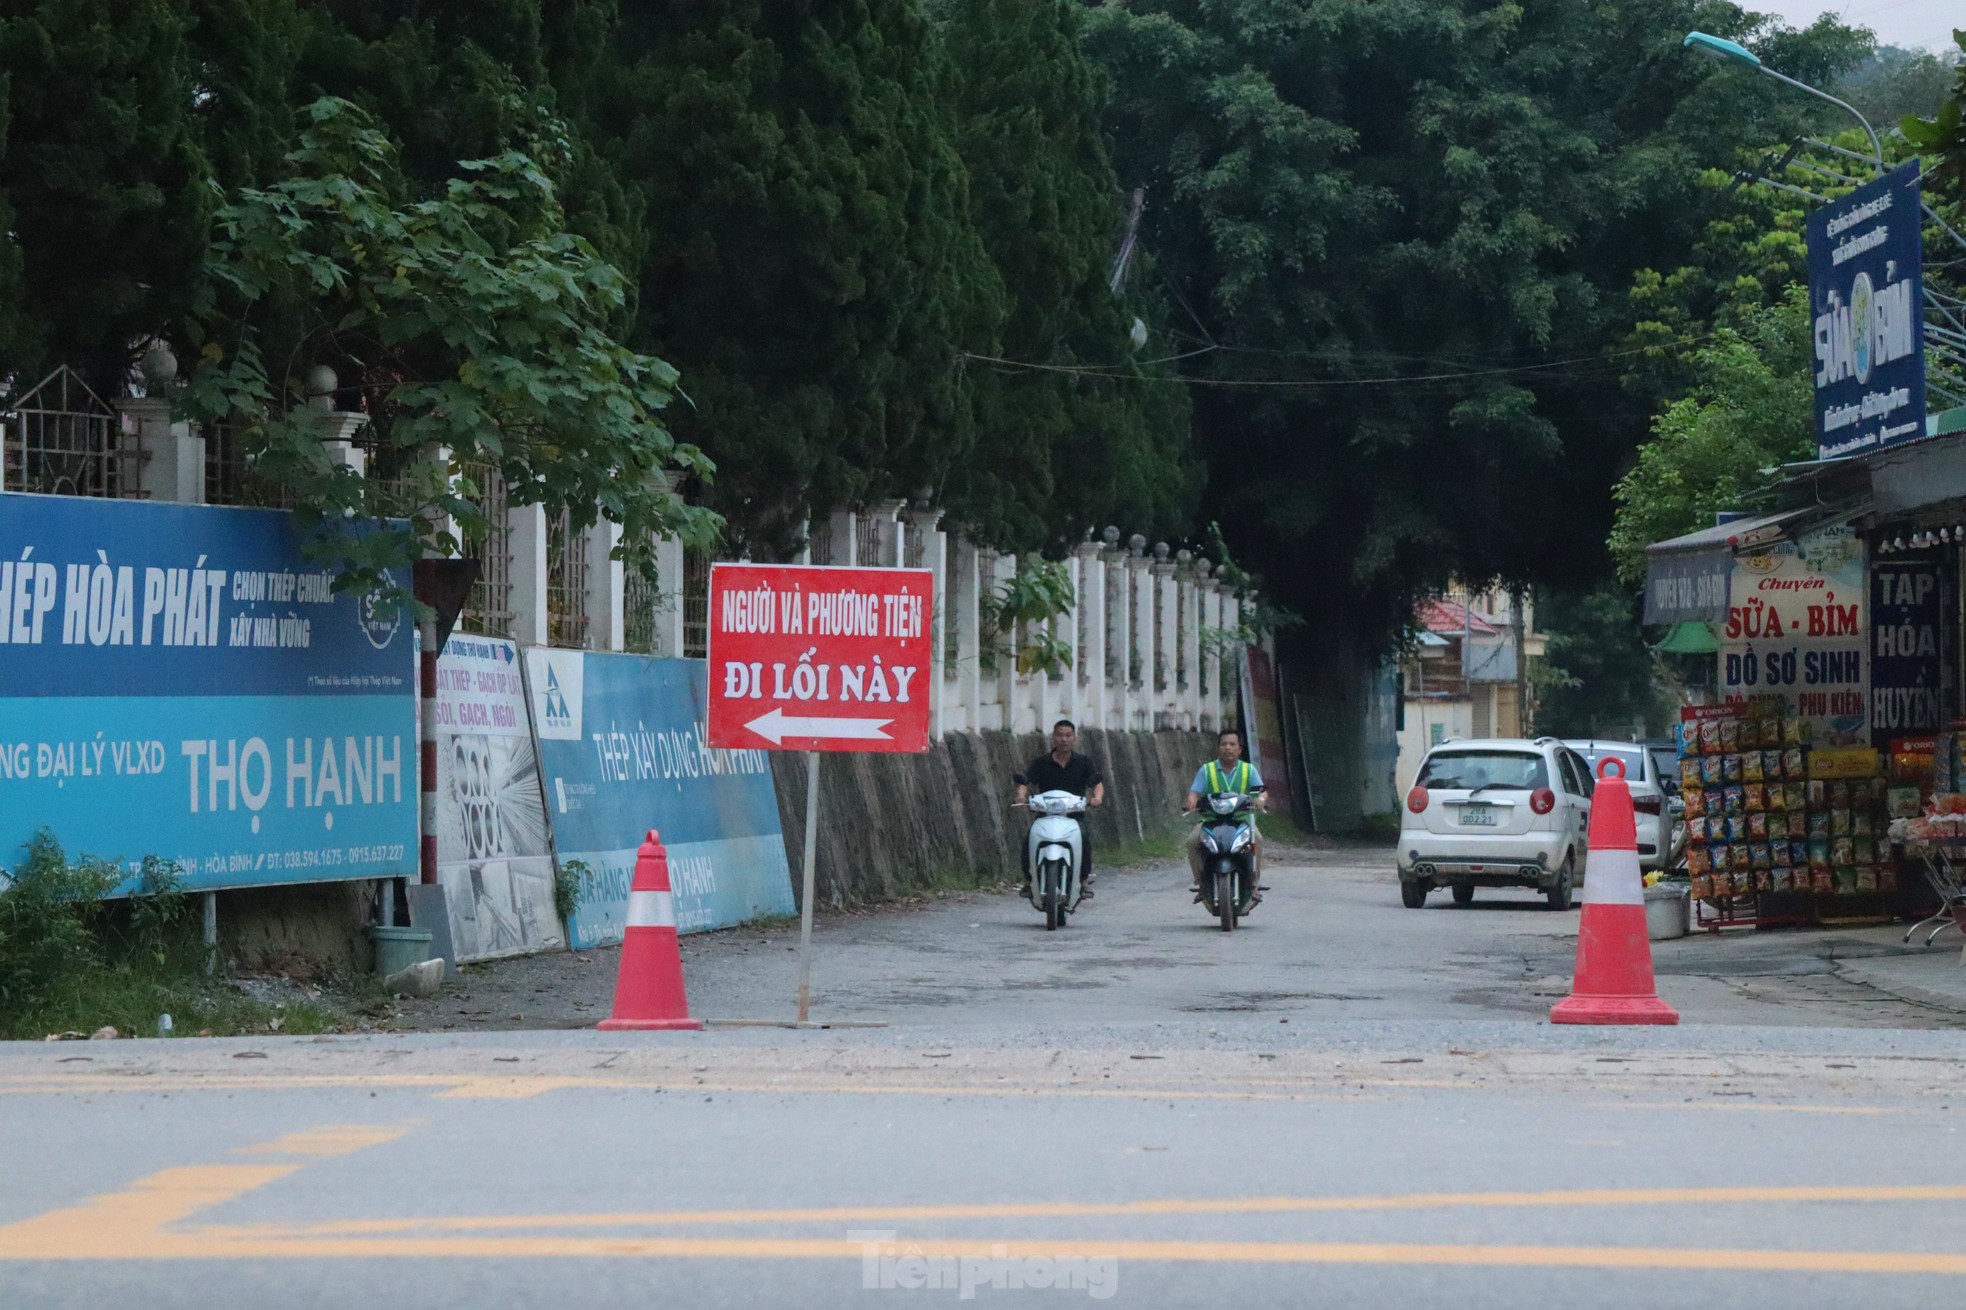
x=808 y=658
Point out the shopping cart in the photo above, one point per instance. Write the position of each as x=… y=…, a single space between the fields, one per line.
x=1942 y=862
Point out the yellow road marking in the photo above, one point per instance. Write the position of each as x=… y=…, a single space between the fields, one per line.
x=1073 y=1209
x=117 y=1224
x=331 y=1140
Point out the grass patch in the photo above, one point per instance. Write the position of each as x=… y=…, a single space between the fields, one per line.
x=71 y=961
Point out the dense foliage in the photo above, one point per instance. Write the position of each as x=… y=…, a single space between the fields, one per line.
x=1416 y=275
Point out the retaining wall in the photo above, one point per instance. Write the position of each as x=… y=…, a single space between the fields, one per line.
x=892 y=824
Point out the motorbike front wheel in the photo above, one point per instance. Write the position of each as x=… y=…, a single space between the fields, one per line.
x=1054 y=908
x=1225 y=899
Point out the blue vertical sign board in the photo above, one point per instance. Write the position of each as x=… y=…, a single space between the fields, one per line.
x=1866 y=297
x=180 y=681
x=1907 y=614
x=623 y=745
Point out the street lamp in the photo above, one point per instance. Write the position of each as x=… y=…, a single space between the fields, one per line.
x=1732 y=52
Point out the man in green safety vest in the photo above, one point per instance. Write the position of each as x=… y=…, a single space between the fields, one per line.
x=1227 y=772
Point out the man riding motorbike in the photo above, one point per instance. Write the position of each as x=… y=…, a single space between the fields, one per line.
x=1227 y=772
x=1063 y=769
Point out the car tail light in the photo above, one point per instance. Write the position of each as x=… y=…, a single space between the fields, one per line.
x=1646 y=804
x=1542 y=800
x=1416 y=800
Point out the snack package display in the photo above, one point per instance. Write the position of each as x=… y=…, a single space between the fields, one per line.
x=1764 y=880
x=1792 y=763
x=1842 y=851
x=1696 y=830
x=1710 y=737
x=1757 y=823
x=1734 y=800
x=1759 y=856
x=1839 y=795
x=1795 y=732
x=1820 y=881
x=1716 y=801
x=1732 y=769
x=1754 y=797
x=1730 y=735
x=1779 y=853
x=1751 y=766
x=1796 y=795
x=1689 y=774
x=1781 y=879
x=1818 y=856
x=1798 y=823
x=1887 y=877
x=1739 y=857
x=1839 y=823
x=1817 y=794
x=1865 y=850
x=1737 y=827
x=1700 y=885
x=1713 y=769
x=1777 y=797
x=1846 y=881
x=1866 y=877
x=1818 y=825
x=1698 y=862
x=1860 y=823
x=1696 y=803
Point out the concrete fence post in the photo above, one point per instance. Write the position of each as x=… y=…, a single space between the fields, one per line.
x=607 y=587
x=1167 y=602
x=928 y=547
x=1001 y=572
x=1140 y=635
x=1090 y=675
x=669 y=597
x=1113 y=710
x=1191 y=683
x=964 y=673
x=889 y=534
x=846 y=539
x=1211 y=655
x=172 y=464
x=526 y=538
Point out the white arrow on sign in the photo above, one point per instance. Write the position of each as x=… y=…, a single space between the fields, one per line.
x=776 y=726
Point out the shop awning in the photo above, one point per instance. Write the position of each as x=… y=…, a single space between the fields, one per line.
x=1687 y=578
x=1689 y=639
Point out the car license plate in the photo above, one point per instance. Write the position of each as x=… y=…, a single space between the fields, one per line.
x=1477 y=816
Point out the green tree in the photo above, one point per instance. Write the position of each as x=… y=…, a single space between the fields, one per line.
x=1942 y=139
x=1072 y=433
x=1896 y=83
x=808 y=261
x=1597 y=676
x=1404 y=231
x=1750 y=408
x=103 y=183
x=472 y=322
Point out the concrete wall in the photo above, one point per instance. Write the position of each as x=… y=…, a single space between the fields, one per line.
x=892 y=824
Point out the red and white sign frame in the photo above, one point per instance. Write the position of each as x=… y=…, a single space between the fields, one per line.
x=808 y=657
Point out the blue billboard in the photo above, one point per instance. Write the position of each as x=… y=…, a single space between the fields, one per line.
x=623 y=748
x=1866 y=303
x=181 y=681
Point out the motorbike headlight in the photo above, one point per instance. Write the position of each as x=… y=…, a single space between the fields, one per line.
x=1222 y=804
x=1243 y=838
x=1208 y=840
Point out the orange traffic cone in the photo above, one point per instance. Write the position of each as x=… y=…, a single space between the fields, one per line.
x=1614 y=954
x=648 y=992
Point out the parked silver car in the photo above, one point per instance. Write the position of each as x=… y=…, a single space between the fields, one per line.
x=1651 y=795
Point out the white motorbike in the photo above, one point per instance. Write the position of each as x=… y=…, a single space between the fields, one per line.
x=1055 y=843
x=1228 y=852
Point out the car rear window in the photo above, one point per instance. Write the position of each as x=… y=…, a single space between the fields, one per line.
x=1632 y=757
x=1495 y=770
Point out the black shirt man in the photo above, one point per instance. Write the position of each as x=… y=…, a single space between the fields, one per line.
x=1062 y=768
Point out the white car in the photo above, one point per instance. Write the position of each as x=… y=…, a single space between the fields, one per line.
x=1652 y=797
x=1496 y=813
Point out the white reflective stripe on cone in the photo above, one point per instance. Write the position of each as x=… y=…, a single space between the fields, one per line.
x=651 y=910
x=1612 y=878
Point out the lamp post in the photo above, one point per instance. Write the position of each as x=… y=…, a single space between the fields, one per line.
x=1732 y=52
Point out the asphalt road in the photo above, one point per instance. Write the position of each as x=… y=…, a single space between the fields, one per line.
x=1342 y=1106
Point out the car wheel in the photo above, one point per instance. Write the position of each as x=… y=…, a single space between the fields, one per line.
x=1560 y=894
x=1464 y=893
x=1413 y=894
